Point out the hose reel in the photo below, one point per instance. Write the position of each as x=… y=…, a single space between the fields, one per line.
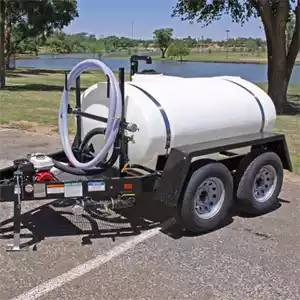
x=113 y=123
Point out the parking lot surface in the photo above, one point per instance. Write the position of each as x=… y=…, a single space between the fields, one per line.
x=142 y=253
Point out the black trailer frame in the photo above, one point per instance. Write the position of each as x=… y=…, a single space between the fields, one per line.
x=121 y=187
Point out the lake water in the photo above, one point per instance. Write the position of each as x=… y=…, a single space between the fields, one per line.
x=252 y=72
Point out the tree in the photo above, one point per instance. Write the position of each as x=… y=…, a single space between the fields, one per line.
x=179 y=48
x=163 y=39
x=30 y=19
x=190 y=42
x=112 y=42
x=30 y=45
x=61 y=42
x=2 y=37
x=274 y=15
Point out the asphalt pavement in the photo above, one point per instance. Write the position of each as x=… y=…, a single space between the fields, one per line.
x=129 y=256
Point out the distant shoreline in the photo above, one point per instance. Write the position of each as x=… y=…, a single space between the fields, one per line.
x=194 y=58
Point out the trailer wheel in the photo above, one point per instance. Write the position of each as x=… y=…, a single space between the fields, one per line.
x=207 y=198
x=259 y=184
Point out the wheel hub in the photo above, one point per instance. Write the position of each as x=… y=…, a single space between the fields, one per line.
x=209 y=198
x=265 y=183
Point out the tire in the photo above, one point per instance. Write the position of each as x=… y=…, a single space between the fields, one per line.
x=243 y=165
x=215 y=185
x=259 y=183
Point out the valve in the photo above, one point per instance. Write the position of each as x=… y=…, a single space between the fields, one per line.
x=132 y=127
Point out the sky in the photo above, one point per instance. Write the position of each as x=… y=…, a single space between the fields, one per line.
x=119 y=17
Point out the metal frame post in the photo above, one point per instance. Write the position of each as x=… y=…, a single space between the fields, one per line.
x=123 y=159
x=16 y=246
x=78 y=107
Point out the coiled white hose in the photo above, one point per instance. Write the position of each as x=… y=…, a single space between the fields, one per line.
x=114 y=116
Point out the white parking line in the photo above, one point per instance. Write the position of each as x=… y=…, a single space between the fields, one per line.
x=92 y=264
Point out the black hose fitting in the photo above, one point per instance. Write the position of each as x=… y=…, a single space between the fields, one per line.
x=102 y=167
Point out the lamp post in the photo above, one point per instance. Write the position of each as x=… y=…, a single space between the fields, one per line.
x=132 y=30
x=227 y=32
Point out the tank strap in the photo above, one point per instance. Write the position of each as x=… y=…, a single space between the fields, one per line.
x=263 y=117
x=163 y=113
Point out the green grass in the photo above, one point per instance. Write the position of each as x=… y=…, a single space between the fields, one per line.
x=221 y=57
x=216 y=56
x=32 y=97
x=289 y=124
x=26 y=56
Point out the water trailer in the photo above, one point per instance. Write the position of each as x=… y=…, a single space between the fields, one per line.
x=199 y=145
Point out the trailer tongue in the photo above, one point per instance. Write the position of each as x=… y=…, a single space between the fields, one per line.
x=128 y=143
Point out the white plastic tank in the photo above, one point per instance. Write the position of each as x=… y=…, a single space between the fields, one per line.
x=192 y=110
x=143 y=77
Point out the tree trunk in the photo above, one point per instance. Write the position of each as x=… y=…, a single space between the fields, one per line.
x=277 y=72
x=7 y=60
x=8 y=46
x=275 y=29
x=163 y=53
x=281 y=58
x=2 y=38
x=295 y=43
